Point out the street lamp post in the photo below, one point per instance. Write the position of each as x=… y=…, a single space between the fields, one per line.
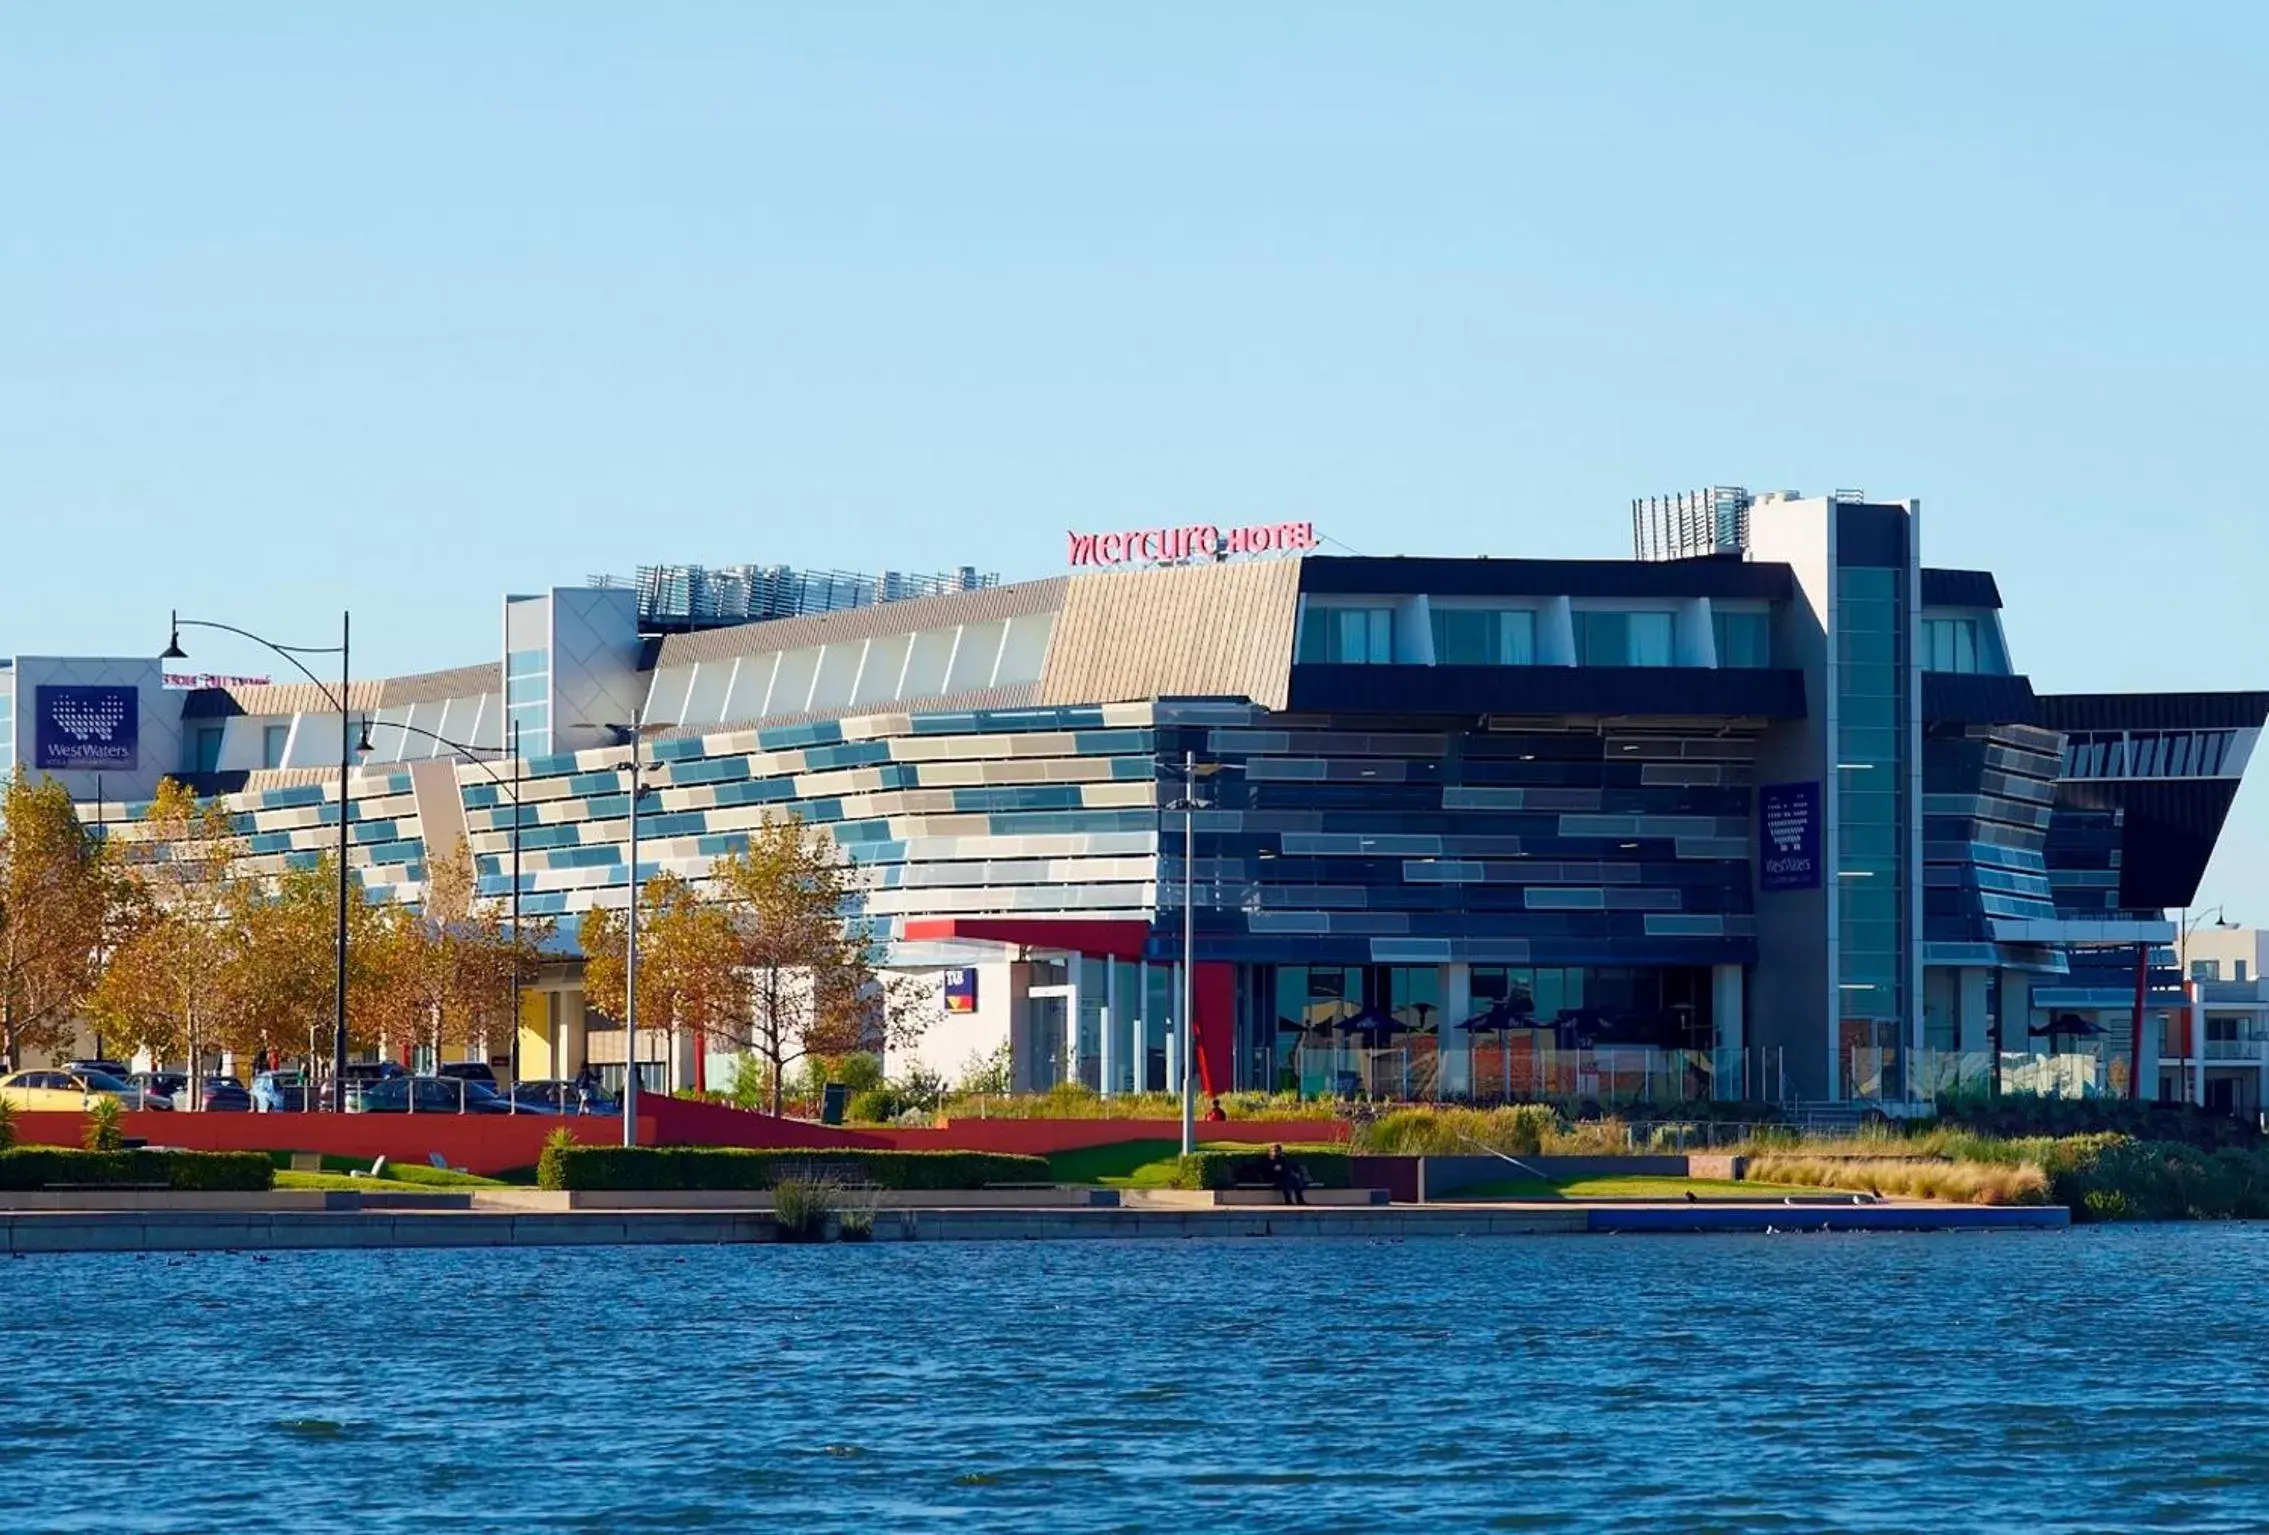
x=292 y=653
x=512 y=1101
x=2194 y=996
x=1185 y=1033
x=631 y=735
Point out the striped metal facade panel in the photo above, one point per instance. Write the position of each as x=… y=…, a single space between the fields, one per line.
x=907 y=617
x=1191 y=630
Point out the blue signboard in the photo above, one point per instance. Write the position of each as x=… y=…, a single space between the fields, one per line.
x=961 y=991
x=86 y=729
x=1788 y=836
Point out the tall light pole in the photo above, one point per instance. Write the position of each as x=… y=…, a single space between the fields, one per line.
x=2194 y=997
x=1185 y=1033
x=470 y=754
x=631 y=735
x=292 y=653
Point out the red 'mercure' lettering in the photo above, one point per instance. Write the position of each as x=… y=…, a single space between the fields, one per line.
x=1082 y=548
x=1111 y=548
x=1153 y=545
x=1206 y=541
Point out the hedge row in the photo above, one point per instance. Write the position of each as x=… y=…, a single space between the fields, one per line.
x=231 y=1172
x=589 y=1168
x=1216 y=1168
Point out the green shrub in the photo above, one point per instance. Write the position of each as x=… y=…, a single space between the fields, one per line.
x=2014 y=1116
x=801 y=1207
x=1218 y=1167
x=1516 y=1130
x=102 y=1131
x=7 y=1125
x=590 y=1168
x=551 y=1167
x=37 y=1167
x=877 y=1105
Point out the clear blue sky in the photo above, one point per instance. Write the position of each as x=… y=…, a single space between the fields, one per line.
x=398 y=307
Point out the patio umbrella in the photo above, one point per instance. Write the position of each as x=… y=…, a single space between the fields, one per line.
x=1496 y=1019
x=2065 y=1023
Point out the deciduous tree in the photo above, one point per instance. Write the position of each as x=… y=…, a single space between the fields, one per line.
x=808 y=985
x=56 y=896
x=687 y=957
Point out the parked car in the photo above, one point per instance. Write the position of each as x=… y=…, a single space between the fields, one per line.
x=467 y=1071
x=429 y=1095
x=166 y=1084
x=279 y=1092
x=555 y=1097
x=72 y=1091
x=118 y=1069
x=225 y=1095
x=360 y=1075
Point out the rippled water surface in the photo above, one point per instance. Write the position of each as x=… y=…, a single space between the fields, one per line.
x=2090 y=1380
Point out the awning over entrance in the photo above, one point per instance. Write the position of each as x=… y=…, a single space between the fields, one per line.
x=1100 y=940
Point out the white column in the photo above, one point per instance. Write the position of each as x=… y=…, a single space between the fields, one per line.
x=1453 y=1045
x=2198 y=1044
x=1733 y=1075
x=1108 y=1077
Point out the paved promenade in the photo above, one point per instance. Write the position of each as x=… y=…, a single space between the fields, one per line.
x=460 y=1223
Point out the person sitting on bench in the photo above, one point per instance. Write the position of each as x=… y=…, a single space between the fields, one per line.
x=1287 y=1176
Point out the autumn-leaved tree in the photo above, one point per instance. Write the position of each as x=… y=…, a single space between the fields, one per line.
x=687 y=957
x=168 y=984
x=283 y=967
x=807 y=982
x=446 y=969
x=56 y=894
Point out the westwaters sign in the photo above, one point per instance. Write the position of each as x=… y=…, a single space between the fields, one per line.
x=81 y=729
x=1788 y=836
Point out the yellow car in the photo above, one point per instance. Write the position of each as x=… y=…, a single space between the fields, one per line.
x=73 y=1091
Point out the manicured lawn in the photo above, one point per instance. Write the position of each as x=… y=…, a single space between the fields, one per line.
x=418 y=1175
x=1130 y=1164
x=340 y=1182
x=1625 y=1188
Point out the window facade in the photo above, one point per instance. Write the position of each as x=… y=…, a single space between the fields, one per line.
x=1622 y=639
x=1743 y=639
x=274 y=739
x=1949 y=645
x=527 y=699
x=1484 y=637
x=1347 y=636
x=2147 y=753
x=208 y=758
x=1871 y=840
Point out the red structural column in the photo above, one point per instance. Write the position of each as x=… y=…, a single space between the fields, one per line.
x=1213 y=1009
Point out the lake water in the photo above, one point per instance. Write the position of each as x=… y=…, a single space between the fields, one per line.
x=2107 y=1379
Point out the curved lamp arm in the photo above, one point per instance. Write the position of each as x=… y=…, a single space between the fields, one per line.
x=291 y=653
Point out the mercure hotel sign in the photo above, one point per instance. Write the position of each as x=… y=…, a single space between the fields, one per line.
x=1170 y=545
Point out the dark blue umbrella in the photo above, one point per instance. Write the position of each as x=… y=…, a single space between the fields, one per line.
x=1374 y=1024
x=1495 y=1019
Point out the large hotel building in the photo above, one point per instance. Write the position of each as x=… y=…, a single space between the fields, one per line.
x=1768 y=810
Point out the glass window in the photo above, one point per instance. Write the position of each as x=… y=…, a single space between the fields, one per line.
x=1622 y=639
x=1949 y=644
x=1348 y=636
x=521 y=663
x=1743 y=639
x=273 y=740
x=1484 y=637
x=209 y=749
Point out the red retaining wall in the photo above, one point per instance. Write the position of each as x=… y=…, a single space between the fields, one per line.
x=491 y=1143
x=1042 y=1137
x=479 y=1143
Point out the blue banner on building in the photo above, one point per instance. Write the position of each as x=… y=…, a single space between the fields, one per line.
x=961 y=991
x=1788 y=836
x=86 y=729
